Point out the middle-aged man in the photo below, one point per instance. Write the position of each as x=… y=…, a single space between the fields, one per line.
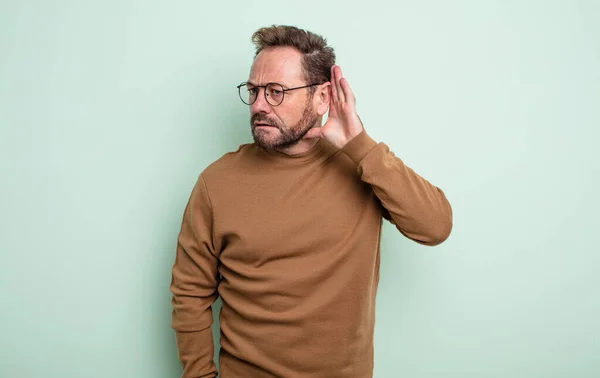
x=286 y=230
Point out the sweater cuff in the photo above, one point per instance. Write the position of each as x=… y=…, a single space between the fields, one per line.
x=359 y=146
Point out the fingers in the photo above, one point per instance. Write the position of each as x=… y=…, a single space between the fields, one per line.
x=340 y=89
x=334 y=95
x=348 y=95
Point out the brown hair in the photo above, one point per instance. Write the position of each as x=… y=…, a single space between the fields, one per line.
x=317 y=56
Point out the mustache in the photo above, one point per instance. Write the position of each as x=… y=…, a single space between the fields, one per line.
x=260 y=117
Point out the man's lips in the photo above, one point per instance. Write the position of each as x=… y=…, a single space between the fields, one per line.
x=260 y=124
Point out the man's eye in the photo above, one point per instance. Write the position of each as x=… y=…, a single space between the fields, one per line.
x=253 y=90
x=276 y=92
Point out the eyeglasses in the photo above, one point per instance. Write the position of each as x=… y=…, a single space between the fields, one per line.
x=274 y=92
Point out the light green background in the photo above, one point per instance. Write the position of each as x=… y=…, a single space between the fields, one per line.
x=109 y=110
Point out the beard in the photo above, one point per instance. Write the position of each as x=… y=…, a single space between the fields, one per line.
x=286 y=136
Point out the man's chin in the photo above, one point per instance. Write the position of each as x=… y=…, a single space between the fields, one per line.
x=274 y=145
x=263 y=142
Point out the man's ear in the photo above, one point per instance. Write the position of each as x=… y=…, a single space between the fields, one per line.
x=323 y=97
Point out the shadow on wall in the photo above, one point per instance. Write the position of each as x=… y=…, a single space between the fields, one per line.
x=223 y=121
x=223 y=124
x=235 y=131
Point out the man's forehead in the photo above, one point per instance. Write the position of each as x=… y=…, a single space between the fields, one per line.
x=277 y=64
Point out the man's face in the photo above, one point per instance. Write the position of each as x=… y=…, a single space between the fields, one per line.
x=281 y=126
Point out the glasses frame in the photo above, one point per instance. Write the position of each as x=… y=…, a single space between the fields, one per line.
x=239 y=87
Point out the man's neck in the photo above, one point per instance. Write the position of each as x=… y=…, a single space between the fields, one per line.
x=301 y=147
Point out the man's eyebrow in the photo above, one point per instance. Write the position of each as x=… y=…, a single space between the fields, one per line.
x=276 y=82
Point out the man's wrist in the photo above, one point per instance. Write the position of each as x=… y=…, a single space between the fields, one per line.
x=358 y=147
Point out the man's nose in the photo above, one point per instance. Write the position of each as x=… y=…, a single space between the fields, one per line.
x=260 y=105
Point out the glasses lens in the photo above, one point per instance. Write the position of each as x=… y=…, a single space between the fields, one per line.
x=248 y=93
x=274 y=94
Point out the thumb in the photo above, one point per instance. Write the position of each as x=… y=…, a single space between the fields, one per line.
x=315 y=132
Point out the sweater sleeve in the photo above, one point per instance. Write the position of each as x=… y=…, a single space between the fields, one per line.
x=418 y=209
x=194 y=286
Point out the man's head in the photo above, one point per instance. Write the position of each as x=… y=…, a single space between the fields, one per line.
x=292 y=58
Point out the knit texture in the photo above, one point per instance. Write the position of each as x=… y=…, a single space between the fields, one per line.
x=291 y=245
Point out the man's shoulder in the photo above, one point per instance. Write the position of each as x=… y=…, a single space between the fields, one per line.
x=229 y=163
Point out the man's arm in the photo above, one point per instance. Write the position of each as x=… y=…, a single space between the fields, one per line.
x=194 y=286
x=418 y=209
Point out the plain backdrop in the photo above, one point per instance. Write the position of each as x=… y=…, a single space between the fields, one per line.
x=110 y=109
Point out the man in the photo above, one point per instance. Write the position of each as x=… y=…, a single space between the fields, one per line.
x=286 y=230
